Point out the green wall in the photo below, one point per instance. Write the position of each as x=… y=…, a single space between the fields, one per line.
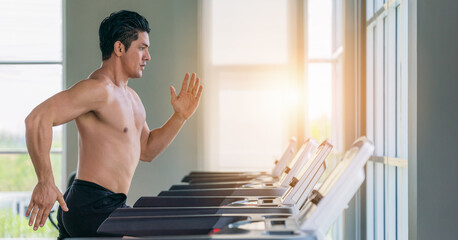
x=174 y=51
x=433 y=129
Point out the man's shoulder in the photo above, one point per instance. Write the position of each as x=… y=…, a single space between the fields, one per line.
x=133 y=92
x=96 y=83
x=95 y=88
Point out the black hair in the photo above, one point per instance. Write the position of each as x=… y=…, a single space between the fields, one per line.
x=120 y=26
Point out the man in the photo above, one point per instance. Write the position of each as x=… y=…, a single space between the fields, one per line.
x=113 y=134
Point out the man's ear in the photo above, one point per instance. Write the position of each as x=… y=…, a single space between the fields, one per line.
x=119 y=49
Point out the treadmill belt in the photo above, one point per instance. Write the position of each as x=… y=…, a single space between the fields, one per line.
x=278 y=192
x=154 y=226
x=185 y=202
x=133 y=212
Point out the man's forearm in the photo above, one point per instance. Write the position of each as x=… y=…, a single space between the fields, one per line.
x=159 y=139
x=38 y=140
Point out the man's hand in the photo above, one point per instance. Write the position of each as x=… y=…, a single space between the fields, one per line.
x=185 y=104
x=44 y=196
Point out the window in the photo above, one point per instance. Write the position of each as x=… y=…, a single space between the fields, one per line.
x=257 y=88
x=324 y=81
x=30 y=72
x=386 y=121
x=324 y=70
x=251 y=86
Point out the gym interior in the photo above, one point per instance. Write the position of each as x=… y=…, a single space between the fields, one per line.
x=271 y=70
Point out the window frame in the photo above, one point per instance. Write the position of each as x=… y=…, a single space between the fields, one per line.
x=386 y=111
x=60 y=151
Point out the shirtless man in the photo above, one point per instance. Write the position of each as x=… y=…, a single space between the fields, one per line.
x=113 y=133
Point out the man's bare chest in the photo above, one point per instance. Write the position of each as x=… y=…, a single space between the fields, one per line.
x=125 y=114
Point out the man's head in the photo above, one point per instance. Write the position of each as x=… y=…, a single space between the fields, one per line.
x=122 y=26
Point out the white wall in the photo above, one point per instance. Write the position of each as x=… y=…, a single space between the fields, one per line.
x=174 y=41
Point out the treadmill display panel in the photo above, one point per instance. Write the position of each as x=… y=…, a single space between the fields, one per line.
x=297 y=156
x=310 y=147
x=325 y=204
x=329 y=182
x=307 y=173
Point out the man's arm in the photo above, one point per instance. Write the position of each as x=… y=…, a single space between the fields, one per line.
x=185 y=104
x=63 y=107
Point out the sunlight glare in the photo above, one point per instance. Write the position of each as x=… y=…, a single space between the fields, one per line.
x=245 y=33
x=320 y=47
x=319 y=90
x=319 y=28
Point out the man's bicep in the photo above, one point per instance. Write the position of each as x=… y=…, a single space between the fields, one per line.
x=69 y=104
x=144 y=135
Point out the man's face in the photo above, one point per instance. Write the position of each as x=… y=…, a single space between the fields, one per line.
x=134 y=60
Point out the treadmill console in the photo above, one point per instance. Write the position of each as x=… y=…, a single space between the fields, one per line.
x=328 y=202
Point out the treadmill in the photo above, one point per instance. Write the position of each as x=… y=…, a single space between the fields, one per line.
x=287 y=205
x=206 y=176
x=296 y=164
x=261 y=189
x=295 y=185
x=321 y=209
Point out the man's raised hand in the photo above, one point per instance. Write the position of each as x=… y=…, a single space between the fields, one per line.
x=185 y=104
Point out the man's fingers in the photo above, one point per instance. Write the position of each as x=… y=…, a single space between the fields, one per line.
x=199 y=93
x=191 y=84
x=62 y=203
x=29 y=209
x=185 y=83
x=38 y=219
x=45 y=216
x=194 y=89
x=33 y=215
x=173 y=92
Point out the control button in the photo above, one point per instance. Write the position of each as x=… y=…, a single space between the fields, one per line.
x=315 y=197
x=293 y=182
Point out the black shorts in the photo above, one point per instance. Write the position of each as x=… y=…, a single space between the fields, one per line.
x=89 y=205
